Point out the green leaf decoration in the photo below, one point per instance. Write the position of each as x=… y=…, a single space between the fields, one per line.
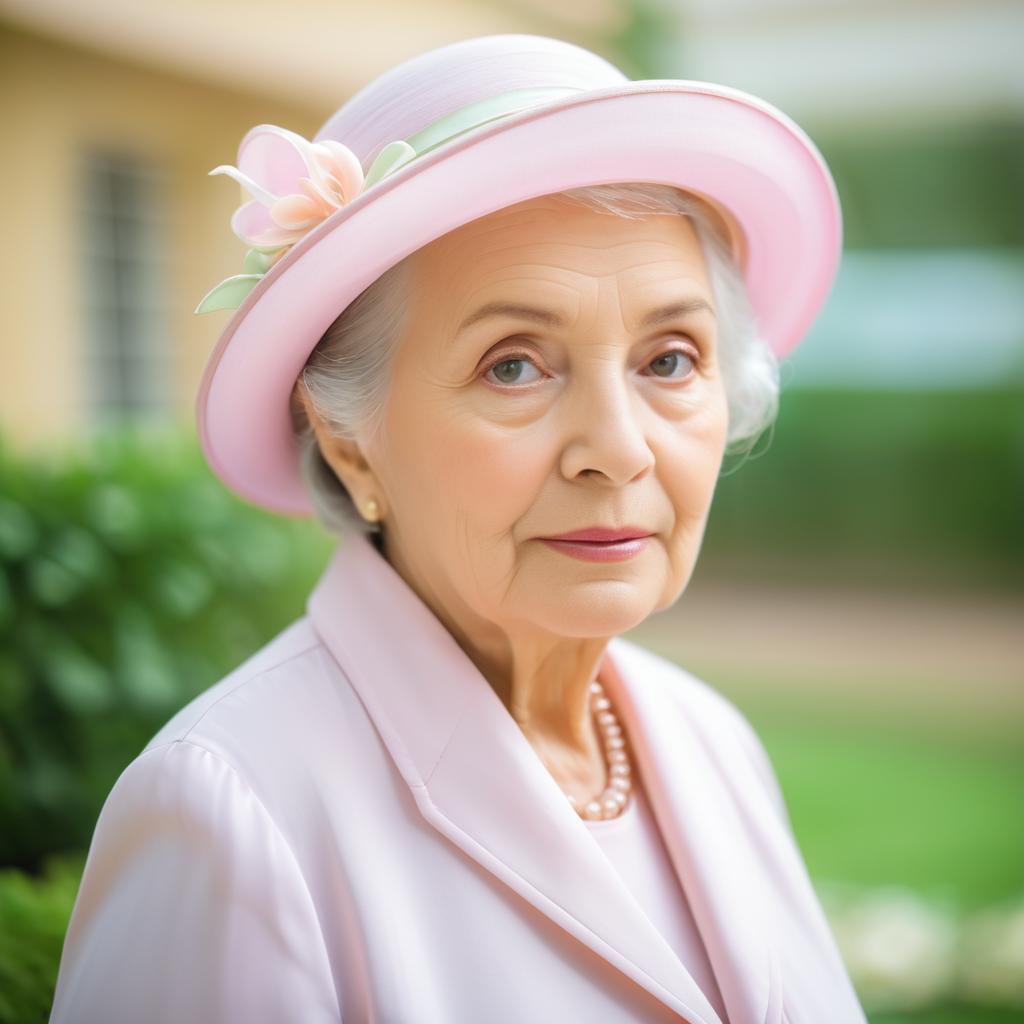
x=229 y=294
x=389 y=159
x=259 y=262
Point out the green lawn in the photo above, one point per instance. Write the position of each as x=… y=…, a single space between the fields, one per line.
x=882 y=792
x=934 y=803
x=951 y=1015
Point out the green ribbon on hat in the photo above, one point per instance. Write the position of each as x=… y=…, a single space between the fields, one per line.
x=231 y=292
x=396 y=154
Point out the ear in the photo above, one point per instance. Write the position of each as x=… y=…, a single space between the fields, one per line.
x=344 y=456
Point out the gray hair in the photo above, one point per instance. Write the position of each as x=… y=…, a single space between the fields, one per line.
x=347 y=374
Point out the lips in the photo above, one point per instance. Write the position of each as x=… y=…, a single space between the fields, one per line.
x=602 y=535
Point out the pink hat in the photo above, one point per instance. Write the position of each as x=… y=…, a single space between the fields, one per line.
x=452 y=135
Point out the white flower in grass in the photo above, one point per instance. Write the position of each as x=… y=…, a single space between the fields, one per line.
x=901 y=951
x=992 y=966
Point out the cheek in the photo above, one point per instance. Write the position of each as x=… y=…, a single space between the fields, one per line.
x=495 y=473
x=690 y=462
x=450 y=467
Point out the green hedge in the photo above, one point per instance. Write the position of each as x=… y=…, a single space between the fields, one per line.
x=130 y=580
x=889 y=488
x=34 y=913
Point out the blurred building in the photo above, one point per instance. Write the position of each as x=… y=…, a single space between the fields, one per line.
x=113 y=114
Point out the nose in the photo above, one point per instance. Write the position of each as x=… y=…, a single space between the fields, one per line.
x=605 y=428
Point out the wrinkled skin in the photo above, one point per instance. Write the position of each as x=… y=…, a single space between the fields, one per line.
x=511 y=430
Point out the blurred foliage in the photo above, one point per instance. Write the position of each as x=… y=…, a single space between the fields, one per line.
x=130 y=581
x=34 y=916
x=648 y=40
x=960 y=1013
x=929 y=185
x=903 y=488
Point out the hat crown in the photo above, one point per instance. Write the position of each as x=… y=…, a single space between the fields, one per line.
x=423 y=89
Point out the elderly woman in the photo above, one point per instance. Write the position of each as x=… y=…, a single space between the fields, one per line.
x=451 y=793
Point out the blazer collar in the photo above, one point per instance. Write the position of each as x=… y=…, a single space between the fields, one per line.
x=476 y=779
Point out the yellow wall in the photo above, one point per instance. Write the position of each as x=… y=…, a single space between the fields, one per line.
x=53 y=100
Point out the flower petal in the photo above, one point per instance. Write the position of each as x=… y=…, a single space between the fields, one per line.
x=327 y=196
x=296 y=213
x=229 y=294
x=253 y=225
x=335 y=159
x=275 y=157
x=328 y=192
x=259 y=193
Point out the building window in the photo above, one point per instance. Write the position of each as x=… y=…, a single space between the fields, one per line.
x=129 y=372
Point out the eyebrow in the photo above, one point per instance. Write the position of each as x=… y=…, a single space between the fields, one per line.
x=548 y=318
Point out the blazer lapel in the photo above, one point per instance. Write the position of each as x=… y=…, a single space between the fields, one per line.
x=697 y=782
x=478 y=781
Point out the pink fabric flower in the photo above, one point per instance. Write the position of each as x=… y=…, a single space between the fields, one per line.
x=295 y=185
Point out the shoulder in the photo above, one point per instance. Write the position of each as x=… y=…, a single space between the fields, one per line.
x=275 y=717
x=251 y=741
x=290 y=660
x=240 y=743
x=192 y=904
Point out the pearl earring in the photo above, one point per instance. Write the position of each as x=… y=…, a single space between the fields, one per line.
x=372 y=510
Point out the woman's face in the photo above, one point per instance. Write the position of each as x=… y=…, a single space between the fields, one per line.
x=501 y=429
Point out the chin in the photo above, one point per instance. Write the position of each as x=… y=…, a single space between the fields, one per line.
x=599 y=615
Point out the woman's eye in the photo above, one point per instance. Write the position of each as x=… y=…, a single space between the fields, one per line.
x=508 y=370
x=668 y=361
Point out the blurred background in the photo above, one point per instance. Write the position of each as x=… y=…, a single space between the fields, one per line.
x=861 y=587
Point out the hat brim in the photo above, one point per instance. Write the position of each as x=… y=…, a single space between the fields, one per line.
x=750 y=161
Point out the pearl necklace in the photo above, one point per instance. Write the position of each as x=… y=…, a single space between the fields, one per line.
x=616 y=794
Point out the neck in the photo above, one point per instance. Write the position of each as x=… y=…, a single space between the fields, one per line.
x=541 y=678
x=544 y=682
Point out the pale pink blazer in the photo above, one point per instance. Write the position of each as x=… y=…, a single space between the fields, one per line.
x=351 y=827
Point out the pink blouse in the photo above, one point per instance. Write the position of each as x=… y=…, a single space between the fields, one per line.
x=634 y=846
